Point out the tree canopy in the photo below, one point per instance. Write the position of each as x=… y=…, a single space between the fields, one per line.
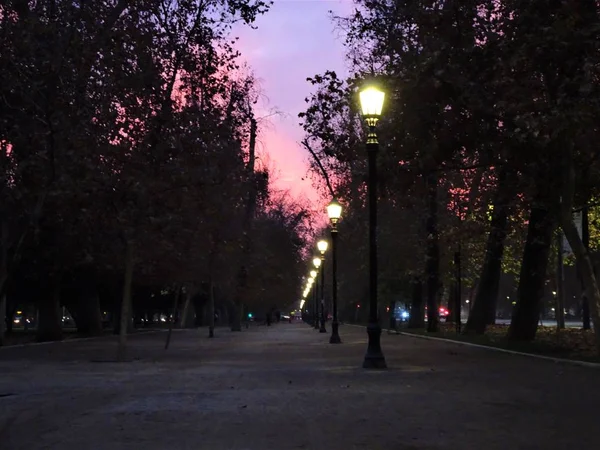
x=486 y=140
x=125 y=141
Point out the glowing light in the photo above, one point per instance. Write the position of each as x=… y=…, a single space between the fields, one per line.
x=371 y=101
x=322 y=246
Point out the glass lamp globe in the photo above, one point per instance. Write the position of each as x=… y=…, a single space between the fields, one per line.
x=371 y=101
x=322 y=246
x=334 y=211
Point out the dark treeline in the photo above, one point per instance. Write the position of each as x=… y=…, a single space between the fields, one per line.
x=488 y=139
x=129 y=182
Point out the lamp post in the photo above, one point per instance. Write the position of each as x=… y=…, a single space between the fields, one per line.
x=334 y=211
x=304 y=295
x=302 y=306
x=317 y=264
x=457 y=267
x=371 y=102
x=313 y=277
x=322 y=247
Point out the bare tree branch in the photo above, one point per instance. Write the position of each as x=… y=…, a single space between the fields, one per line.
x=323 y=171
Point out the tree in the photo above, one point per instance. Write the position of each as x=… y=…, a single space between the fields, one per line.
x=127 y=118
x=493 y=87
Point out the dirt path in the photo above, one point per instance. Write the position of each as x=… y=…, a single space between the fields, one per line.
x=285 y=387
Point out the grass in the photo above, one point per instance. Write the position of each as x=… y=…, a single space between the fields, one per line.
x=21 y=336
x=571 y=343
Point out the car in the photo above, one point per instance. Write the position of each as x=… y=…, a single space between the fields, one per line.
x=444 y=313
x=401 y=314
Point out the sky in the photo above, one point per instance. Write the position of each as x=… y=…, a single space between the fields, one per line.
x=296 y=39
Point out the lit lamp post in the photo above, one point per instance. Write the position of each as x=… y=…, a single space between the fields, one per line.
x=322 y=247
x=317 y=263
x=313 y=280
x=457 y=268
x=302 y=302
x=334 y=211
x=371 y=103
x=304 y=295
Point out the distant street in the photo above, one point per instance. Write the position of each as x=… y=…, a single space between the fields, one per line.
x=285 y=387
x=547 y=323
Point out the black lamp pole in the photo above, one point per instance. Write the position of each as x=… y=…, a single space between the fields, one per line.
x=335 y=336
x=374 y=358
x=316 y=297
x=458 y=303
x=322 y=329
x=458 y=273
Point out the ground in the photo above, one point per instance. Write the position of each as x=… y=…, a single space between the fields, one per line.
x=286 y=387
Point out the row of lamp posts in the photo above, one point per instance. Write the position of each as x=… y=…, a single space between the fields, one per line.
x=371 y=102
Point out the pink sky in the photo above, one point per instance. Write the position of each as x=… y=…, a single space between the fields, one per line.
x=296 y=39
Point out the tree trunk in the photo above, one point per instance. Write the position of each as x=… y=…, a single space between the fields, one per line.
x=10 y=315
x=126 y=301
x=595 y=259
x=582 y=254
x=236 y=324
x=483 y=310
x=432 y=266
x=173 y=318
x=211 y=309
x=225 y=315
x=236 y=320
x=560 y=284
x=184 y=322
x=417 y=309
x=526 y=312
x=116 y=317
x=2 y=320
x=3 y=276
x=205 y=308
x=198 y=302
x=585 y=240
x=49 y=327
x=452 y=303
x=87 y=314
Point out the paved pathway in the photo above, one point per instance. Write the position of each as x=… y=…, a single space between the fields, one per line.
x=285 y=387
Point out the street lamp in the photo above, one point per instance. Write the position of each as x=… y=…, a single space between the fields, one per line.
x=304 y=295
x=307 y=288
x=458 y=267
x=334 y=211
x=313 y=275
x=322 y=247
x=371 y=102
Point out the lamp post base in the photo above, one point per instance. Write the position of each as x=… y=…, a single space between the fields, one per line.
x=374 y=358
x=322 y=329
x=335 y=336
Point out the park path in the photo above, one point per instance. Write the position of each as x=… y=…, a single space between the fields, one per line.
x=285 y=387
